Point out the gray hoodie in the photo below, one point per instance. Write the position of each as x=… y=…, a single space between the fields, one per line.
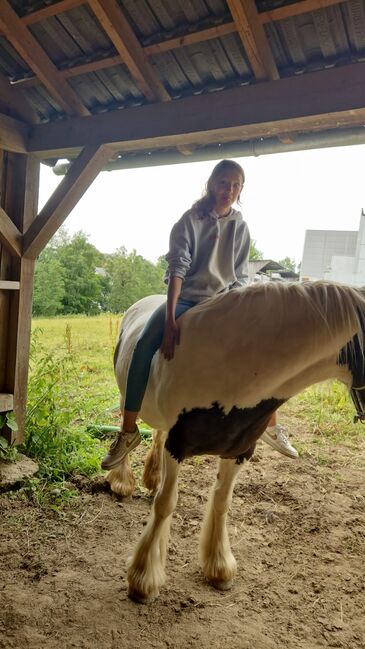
x=209 y=253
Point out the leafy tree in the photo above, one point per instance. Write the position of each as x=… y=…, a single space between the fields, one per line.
x=288 y=263
x=49 y=286
x=83 y=287
x=254 y=252
x=132 y=277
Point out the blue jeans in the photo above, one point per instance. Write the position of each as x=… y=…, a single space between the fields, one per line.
x=147 y=345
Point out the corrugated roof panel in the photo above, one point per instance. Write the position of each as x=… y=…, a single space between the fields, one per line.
x=170 y=72
x=71 y=35
x=232 y=45
x=107 y=88
x=339 y=34
x=36 y=101
x=84 y=28
x=278 y=47
x=119 y=83
x=183 y=57
x=46 y=107
x=55 y=40
x=154 y=20
x=354 y=13
x=288 y=36
x=10 y=62
x=140 y=17
x=213 y=64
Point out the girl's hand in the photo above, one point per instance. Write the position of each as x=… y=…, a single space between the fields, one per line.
x=171 y=337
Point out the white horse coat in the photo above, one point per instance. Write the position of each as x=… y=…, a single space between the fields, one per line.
x=241 y=355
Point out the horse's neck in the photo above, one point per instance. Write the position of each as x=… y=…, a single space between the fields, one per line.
x=316 y=373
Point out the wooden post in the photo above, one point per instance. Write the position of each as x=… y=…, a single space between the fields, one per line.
x=19 y=199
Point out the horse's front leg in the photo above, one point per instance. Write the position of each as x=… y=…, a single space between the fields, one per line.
x=121 y=479
x=216 y=558
x=146 y=571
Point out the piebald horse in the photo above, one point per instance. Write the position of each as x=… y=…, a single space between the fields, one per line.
x=242 y=354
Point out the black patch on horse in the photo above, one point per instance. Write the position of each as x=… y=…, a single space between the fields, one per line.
x=209 y=431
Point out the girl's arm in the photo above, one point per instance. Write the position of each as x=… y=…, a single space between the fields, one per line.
x=171 y=335
x=242 y=253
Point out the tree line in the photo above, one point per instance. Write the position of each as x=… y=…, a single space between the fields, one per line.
x=72 y=276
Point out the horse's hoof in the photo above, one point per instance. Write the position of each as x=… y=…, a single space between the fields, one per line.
x=140 y=598
x=219 y=584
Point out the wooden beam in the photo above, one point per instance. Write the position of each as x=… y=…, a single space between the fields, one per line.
x=6 y=402
x=295 y=9
x=149 y=50
x=8 y=285
x=310 y=101
x=80 y=176
x=21 y=177
x=10 y=236
x=50 y=10
x=169 y=44
x=253 y=37
x=13 y=134
x=32 y=53
x=117 y=27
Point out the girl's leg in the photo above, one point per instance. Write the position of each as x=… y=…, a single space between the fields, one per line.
x=275 y=437
x=148 y=343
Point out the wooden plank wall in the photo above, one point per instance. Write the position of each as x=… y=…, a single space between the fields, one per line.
x=4 y=295
x=19 y=199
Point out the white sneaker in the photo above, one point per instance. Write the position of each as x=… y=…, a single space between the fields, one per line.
x=123 y=444
x=274 y=436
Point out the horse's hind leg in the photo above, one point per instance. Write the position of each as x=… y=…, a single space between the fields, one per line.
x=152 y=466
x=146 y=571
x=216 y=558
x=121 y=479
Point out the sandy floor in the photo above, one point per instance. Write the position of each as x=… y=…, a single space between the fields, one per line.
x=297 y=530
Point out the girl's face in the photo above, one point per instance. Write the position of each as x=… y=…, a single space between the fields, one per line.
x=226 y=189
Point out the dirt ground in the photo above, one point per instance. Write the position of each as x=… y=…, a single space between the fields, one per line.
x=297 y=530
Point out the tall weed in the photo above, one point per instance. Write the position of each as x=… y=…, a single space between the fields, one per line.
x=51 y=436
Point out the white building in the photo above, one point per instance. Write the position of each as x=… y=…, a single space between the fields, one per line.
x=337 y=255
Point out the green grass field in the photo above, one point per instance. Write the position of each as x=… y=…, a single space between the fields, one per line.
x=72 y=392
x=91 y=342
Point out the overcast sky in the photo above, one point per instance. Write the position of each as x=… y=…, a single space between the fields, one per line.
x=284 y=194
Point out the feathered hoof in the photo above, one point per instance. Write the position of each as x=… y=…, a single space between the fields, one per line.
x=219 y=584
x=141 y=598
x=121 y=484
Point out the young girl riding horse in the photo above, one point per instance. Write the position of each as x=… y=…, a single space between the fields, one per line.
x=208 y=255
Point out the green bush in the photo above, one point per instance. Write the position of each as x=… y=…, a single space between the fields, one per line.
x=52 y=437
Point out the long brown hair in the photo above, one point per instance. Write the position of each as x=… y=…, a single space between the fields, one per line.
x=205 y=204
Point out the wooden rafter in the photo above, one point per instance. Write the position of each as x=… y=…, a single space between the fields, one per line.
x=51 y=10
x=13 y=100
x=10 y=236
x=311 y=101
x=80 y=176
x=29 y=49
x=295 y=9
x=253 y=37
x=149 y=50
x=181 y=41
x=13 y=134
x=127 y=45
